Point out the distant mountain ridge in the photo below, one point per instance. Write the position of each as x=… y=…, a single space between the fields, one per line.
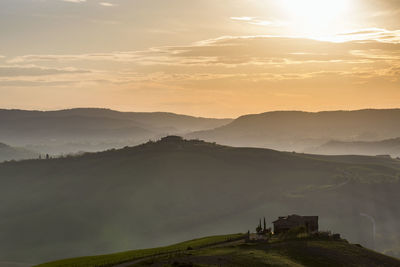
x=297 y=130
x=87 y=129
x=144 y=119
x=90 y=129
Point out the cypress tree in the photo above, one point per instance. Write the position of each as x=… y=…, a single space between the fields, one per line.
x=259 y=229
x=265 y=225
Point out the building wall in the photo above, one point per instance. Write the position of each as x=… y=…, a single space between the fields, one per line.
x=287 y=223
x=257 y=237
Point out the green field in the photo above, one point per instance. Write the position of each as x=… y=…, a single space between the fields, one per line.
x=232 y=250
x=289 y=253
x=112 y=259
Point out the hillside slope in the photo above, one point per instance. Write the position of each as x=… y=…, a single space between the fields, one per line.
x=295 y=253
x=295 y=130
x=385 y=147
x=12 y=153
x=220 y=251
x=90 y=129
x=165 y=192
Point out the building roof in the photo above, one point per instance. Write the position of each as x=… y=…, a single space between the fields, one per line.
x=294 y=217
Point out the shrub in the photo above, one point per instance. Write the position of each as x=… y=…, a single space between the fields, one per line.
x=294 y=233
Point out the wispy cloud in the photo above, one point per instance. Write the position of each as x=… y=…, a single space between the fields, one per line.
x=34 y=83
x=74 y=1
x=114 y=56
x=30 y=70
x=107 y=4
x=243 y=18
x=244 y=59
x=234 y=51
x=376 y=34
x=259 y=22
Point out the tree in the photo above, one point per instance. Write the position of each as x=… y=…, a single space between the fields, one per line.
x=265 y=226
x=259 y=228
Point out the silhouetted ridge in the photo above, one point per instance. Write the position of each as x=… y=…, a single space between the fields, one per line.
x=169 y=143
x=178 y=140
x=91 y=130
x=299 y=131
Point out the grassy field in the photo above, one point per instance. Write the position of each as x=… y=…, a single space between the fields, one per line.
x=292 y=253
x=215 y=251
x=112 y=259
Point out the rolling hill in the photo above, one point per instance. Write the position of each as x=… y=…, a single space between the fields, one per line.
x=167 y=191
x=86 y=129
x=299 y=131
x=233 y=250
x=385 y=147
x=12 y=153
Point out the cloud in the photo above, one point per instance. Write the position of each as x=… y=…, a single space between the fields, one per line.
x=280 y=51
x=261 y=49
x=223 y=51
x=74 y=1
x=33 y=83
x=114 y=56
x=259 y=22
x=106 y=4
x=18 y=71
x=246 y=58
x=242 y=18
x=376 y=34
x=36 y=76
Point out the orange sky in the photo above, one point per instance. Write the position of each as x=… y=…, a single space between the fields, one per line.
x=200 y=57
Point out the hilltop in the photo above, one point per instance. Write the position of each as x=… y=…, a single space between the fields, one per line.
x=166 y=191
x=232 y=250
x=299 y=131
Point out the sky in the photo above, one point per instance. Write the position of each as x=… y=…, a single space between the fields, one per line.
x=210 y=58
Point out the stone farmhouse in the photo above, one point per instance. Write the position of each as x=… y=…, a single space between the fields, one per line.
x=284 y=224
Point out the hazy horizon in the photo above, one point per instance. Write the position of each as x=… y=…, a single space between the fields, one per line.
x=198 y=116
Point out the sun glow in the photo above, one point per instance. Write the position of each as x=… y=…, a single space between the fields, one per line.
x=317 y=17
